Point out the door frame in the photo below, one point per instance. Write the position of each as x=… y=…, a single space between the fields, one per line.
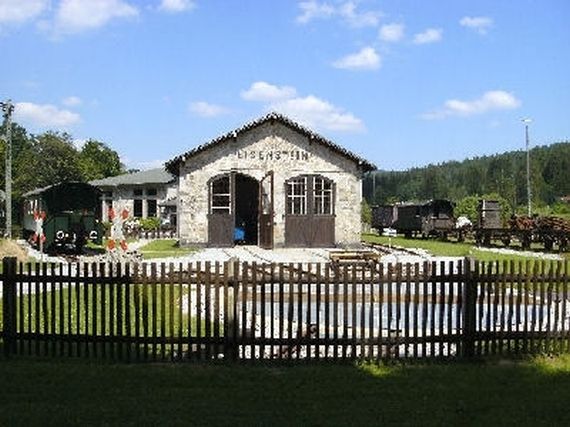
x=265 y=236
x=268 y=218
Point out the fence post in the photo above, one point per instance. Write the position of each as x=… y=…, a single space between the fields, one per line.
x=9 y=265
x=469 y=301
x=231 y=351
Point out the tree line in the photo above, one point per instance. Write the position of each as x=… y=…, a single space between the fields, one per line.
x=503 y=175
x=52 y=157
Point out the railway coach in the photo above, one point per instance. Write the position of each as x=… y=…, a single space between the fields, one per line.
x=69 y=215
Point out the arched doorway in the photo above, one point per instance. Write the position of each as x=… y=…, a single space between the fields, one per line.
x=239 y=213
x=246 y=209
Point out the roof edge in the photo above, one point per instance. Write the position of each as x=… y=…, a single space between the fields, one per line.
x=172 y=165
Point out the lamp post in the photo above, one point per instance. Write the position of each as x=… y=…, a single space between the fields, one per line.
x=528 y=191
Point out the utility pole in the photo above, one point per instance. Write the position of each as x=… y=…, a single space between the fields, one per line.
x=528 y=191
x=7 y=110
x=373 y=198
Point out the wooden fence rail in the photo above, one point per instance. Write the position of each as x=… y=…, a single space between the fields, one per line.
x=250 y=311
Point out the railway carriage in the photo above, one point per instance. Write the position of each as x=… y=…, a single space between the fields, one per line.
x=70 y=216
x=433 y=218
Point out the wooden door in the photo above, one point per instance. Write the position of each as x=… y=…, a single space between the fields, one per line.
x=221 y=213
x=310 y=219
x=266 y=211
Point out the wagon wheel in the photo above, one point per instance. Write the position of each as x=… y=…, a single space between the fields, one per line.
x=548 y=243
x=525 y=242
x=478 y=239
x=460 y=237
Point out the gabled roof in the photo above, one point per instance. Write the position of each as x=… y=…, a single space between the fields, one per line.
x=41 y=190
x=151 y=176
x=172 y=165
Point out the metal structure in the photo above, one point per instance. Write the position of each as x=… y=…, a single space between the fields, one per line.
x=436 y=219
x=528 y=190
x=7 y=110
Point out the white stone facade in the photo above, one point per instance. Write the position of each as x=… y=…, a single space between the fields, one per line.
x=123 y=197
x=270 y=146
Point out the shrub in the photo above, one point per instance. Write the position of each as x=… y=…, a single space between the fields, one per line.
x=366 y=213
x=148 y=224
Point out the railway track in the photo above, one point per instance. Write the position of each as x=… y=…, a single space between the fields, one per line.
x=389 y=250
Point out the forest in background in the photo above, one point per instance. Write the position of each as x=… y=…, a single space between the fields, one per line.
x=502 y=175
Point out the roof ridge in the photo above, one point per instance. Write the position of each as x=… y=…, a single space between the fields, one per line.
x=272 y=115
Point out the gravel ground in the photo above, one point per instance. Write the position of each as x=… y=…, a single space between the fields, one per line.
x=281 y=255
x=507 y=251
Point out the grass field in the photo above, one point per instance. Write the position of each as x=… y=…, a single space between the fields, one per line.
x=163 y=249
x=525 y=393
x=453 y=249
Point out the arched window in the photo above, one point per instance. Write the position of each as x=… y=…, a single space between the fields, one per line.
x=322 y=196
x=310 y=195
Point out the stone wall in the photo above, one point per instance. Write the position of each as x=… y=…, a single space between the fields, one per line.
x=271 y=146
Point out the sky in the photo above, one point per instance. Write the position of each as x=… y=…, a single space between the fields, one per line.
x=401 y=83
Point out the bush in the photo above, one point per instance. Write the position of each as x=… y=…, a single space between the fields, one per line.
x=148 y=224
x=366 y=213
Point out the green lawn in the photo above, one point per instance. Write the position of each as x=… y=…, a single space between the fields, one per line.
x=163 y=249
x=72 y=311
x=439 y=248
x=75 y=392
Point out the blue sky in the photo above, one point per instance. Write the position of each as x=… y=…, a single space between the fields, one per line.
x=402 y=83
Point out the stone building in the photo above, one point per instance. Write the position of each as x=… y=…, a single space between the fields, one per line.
x=145 y=194
x=272 y=183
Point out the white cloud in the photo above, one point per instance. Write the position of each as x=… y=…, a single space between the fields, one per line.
x=319 y=114
x=79 y=143
x=45 y=115
x=19 y=11
x=266 y=92
x=346 y=11
x=72 y=101
x=365 y=59
x=143 y=164
x=205 y=109
x=358 y=19
x=481 y=24
x=431 y=35
x=489 y=101
x=176 y=6
x=314 y=10
x=391 y=32
x=74 y=16
x=309 y=110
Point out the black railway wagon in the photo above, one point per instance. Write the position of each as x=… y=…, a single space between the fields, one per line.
x=383 y=216
x=71 y=215
x=433 y=218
